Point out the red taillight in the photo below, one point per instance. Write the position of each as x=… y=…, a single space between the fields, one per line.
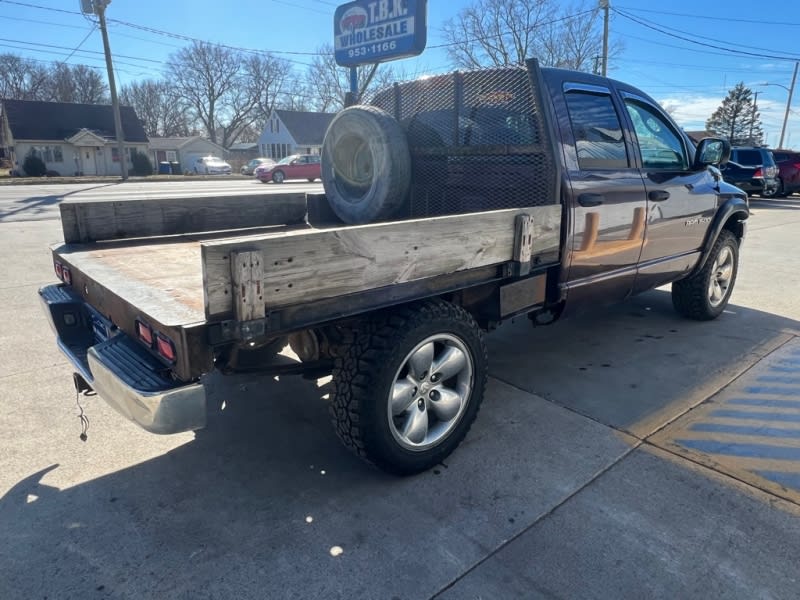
x=59 y=270
x=67 y=275
x=145 y=333
x=165 y=347
x=758 y=174
x=796 y=166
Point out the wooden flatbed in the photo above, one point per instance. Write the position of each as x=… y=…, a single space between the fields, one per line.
x=168 y=263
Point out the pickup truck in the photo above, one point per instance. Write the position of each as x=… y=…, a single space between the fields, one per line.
x=451 y=204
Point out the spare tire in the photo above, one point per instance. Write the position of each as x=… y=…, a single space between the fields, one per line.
x=366 y=165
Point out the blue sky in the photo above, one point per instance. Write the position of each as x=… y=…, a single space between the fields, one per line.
x=660 y=54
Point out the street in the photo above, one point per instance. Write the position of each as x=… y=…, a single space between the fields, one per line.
x=626 y=453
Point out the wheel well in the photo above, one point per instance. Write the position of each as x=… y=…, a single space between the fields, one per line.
x=735 y=224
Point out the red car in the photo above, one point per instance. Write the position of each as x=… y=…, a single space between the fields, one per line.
x=296 y=166
x=789 y=177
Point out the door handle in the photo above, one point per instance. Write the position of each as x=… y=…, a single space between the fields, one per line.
x=589 y=200
x=658 y=195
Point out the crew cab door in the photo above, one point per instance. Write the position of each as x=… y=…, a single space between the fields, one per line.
x=606 y=197
x=680 y=202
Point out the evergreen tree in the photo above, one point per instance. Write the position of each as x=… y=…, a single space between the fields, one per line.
x=737 y=118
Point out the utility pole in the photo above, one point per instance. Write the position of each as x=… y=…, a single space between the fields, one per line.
x=788 y=104
x=100 y=9
x=604 y=5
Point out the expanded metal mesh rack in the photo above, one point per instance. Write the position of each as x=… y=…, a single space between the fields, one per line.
x=479 y=140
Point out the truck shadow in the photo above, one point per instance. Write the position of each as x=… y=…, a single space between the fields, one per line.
x=34 y=206
x=637 y=365
x=263 y=499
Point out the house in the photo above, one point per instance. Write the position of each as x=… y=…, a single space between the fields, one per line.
x=241 y=153
x=293 y=132
x=71 y=139
x=183 y=150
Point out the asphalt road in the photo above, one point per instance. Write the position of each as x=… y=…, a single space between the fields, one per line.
x=606 y=462
x=40 y=202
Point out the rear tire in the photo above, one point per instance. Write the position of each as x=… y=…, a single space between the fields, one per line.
x=366 y=165
x=704 y=295
x=408 y=385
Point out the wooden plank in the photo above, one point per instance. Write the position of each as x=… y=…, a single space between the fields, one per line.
x=302 y=266
x=247 y=273
x=94 y=220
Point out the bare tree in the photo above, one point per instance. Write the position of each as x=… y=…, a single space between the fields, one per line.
x=21 y=78
x=158 y=106
x=225 y=90
x=328 y=83
x=75 y=84
x=507 y=32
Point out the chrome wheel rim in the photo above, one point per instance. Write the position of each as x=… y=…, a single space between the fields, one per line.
x=430 y=392
x=721 y=277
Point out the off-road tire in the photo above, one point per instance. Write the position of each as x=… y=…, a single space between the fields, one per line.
x=691 y=297
x=364 y=375
x=366 y=165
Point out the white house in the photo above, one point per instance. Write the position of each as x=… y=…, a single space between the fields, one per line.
x=71 y=139
x=183 y=150
x=289 y=132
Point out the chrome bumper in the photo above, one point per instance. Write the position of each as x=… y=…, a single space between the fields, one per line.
x=119 y=369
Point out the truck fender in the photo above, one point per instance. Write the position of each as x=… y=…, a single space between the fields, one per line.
x=730 y=215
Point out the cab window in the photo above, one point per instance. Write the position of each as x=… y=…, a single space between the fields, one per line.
x=596 y=127
x=659 y=144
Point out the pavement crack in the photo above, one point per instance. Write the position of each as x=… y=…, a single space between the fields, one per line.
x=540 y=518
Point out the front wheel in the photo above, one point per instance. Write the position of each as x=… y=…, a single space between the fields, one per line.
x=278 y=177
x=704 y=295
x=408 y=385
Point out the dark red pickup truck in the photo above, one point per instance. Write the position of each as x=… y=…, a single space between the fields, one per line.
x=451 y=204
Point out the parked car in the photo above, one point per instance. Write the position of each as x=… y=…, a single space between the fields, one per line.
x=789 y=172
x=752 y=170
x=212 y=165
x=250 y=167
x=296 y=166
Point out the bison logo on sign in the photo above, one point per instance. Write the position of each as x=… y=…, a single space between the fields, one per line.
x=353 y=18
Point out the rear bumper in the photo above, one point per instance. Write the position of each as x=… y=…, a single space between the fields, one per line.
x=119 y=369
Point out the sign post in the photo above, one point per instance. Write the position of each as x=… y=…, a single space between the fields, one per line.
x=376 y=31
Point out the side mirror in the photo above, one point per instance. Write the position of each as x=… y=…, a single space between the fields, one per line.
x=711 y=151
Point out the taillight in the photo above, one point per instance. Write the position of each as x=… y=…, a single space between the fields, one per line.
x=145 y=333
x=758 y=174
x=67 y=275
x=796 y=166
x=165 y=347
x=59 y=270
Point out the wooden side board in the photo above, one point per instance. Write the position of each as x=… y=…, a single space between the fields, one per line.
x=302 y=266
x=95 y=220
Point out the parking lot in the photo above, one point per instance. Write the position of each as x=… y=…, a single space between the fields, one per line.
x=623 y=454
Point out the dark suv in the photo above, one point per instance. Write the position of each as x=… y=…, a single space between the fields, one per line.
x=789 y=175
x=752 y=170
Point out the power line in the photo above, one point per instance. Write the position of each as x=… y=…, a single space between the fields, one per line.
x=50 y=8
x=738 y=45
x=704 y=44
x=78 y=47
x=715 y=18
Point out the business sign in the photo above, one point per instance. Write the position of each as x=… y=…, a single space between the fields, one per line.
x=373 y=31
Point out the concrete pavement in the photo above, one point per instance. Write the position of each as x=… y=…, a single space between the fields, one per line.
x=571 y=483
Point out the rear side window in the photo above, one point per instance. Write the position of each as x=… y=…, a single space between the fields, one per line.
x=597 y=131
x=749 y=157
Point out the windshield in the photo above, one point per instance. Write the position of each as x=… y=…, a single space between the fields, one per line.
x=288 y=159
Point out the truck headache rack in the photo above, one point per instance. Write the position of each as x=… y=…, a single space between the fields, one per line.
x=479 y=140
